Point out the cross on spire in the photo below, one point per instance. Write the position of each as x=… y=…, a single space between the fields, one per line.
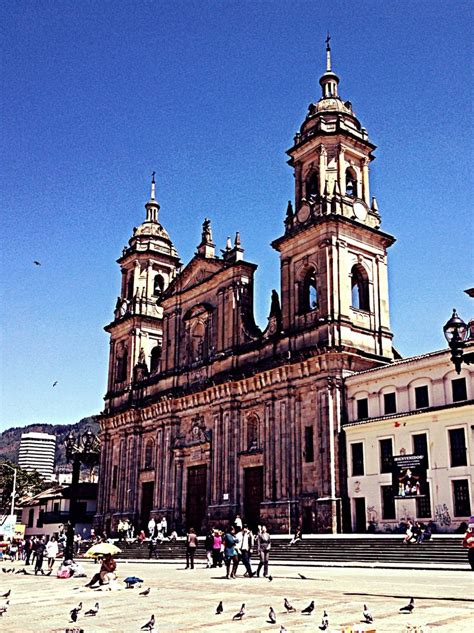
x=152 y=197
x=328 y=53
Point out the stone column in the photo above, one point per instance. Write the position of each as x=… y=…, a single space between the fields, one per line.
x=268 y=453
x=298 y=193
x=365 y=181
x=341 y=169
x=322 y=168
x=178 y=492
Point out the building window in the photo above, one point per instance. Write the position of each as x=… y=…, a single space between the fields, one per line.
x=121 y=368
x=312 y=184
x=155 y=358
x=309 y=292
x=39 y=520
x=31 y=517
x=390 y=403
x=360 y=288
x=362 y=408
x=462 y=502
x=357 y=451
x=130 y=285
x=388 y=503
x=423 y=504
x=149 y=454
x=386 y=454
x=198 y=335
x=308 y=444
x=158 y=285
x=457 y=447
x=252 y=432
x=351 y=183
x=421 y=397
x=114 y=476
x=459 y=389
x=420 y=447
x=56 y=507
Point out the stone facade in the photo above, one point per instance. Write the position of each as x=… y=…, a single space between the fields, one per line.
x=207 y=415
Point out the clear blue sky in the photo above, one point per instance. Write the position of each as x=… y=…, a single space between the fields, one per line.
x=96 y=95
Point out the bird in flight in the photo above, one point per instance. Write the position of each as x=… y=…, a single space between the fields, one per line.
x=145 y=593
x=94 y=610
x=309 y=609
x=272 y=616
x=150 y=625
x=6 y=595
x=409 y=607
x=36 y=263
x=55 y=383
x=368 y=619
x=240 y=614
x=282 y=629
x=220 y=608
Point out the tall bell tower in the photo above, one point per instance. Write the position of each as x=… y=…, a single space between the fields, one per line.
x=148 y=266
x=333 y=254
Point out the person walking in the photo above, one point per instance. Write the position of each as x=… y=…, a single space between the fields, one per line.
x=28 y=549
x=246 y=550
x=52 y=550
x=217 y=549
x=151 y=527
x=468 y=542
x=263 y=547
x=230 y=552
x=209 y=544
x=40 y=549
x=191 y=545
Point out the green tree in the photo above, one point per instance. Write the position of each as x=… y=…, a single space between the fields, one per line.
x=27 y=483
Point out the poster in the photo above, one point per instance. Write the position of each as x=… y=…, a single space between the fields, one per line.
x=409 y=476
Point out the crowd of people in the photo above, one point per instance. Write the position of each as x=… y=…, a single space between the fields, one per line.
x=417 y=532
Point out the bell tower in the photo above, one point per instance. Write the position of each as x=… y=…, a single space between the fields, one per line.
x=148 y=265
x=333 y=255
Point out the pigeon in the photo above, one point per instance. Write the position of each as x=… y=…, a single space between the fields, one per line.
x=302 y=577
x=220 y=608
x=4 y=607
x=55 y=383
x=282 y=629
x=368 y=619
x=37 y=263
x=324 y=621
x=288 y=606
x=409 y=607
x=272 y=616
x=94 y=610
x=270 y=578
x=240 y=614
x=5 y=595
x=150 y=625
x=309 y=609
x=75 y=612
x=145 y=593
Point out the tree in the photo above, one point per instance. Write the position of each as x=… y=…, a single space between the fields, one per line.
x=27 y=483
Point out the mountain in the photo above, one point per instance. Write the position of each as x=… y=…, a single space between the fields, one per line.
x=10 y=439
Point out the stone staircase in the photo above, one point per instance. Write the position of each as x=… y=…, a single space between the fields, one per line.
x=442 y=550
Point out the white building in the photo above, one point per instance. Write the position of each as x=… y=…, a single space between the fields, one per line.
x=37 y=452
x=415 y=406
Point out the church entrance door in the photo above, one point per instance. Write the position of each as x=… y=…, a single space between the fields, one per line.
x=196 y=497
x=148 y=488
x=253 y=495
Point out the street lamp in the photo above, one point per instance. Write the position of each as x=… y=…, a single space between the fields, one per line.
x=455 y=332
x=81 y=449
x=12 y=510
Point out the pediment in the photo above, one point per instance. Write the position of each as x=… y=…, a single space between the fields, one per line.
x=195 y=273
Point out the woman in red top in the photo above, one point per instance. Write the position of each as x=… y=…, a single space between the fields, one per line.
x=468 y=542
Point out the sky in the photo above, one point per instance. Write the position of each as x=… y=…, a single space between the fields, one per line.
x=209 y=94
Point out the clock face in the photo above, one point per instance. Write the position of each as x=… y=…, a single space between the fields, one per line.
x=303 y=213
x=360 y=211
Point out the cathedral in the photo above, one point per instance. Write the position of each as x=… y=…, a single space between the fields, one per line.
x=208 y=416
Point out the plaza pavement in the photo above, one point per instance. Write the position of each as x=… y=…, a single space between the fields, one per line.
x=185 y=600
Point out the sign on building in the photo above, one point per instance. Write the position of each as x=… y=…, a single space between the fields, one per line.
x=409 y=476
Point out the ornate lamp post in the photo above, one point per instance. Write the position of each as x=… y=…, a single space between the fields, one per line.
x=455 y=332
x=81 y=449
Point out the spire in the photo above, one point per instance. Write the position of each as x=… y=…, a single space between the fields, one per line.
x=207 y=246
x=329 y=80
x=328 y=54
x=152 y=207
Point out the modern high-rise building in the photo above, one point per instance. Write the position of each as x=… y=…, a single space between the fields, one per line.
x=37 y=451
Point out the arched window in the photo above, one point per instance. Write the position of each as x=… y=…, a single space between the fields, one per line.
x=312 y=184
x=252 y=432
x=155 y=358
x=122 y=362
x=360 y=288
x=158 y=285
x=351 y=183
x=149 y=454
x=130 y=287
x=309 y=299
